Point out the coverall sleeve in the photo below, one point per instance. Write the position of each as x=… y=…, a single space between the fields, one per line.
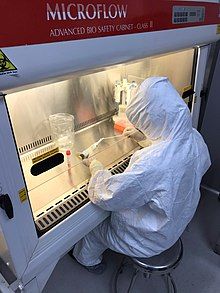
x=117 y=192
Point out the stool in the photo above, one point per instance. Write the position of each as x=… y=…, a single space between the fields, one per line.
x=162 y=264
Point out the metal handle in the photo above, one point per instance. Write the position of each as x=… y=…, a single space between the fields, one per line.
x=6 y=205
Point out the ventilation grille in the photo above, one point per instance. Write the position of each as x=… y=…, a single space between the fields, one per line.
x=94 y=120
x=71 y=203
x=37 y=143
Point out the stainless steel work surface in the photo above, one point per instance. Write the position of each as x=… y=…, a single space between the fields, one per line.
x=50 y=185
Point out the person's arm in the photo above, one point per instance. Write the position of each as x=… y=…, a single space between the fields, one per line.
x=117 y=192
x=137 y=136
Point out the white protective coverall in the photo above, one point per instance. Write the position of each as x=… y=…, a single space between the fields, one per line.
x=156 y=197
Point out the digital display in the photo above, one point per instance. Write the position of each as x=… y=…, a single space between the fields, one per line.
x=188 y=14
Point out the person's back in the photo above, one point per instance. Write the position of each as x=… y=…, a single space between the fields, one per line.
x=176 y=171
x=157 y=195
x=170 y=170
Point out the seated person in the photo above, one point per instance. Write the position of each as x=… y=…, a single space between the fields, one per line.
x=155 y=198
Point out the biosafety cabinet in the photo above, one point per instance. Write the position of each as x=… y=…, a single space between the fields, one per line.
x=85 y=59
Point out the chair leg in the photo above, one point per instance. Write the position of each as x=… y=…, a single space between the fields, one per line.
x=119 y=271
x=168 y=284
x=217 y=246
x=171 y=286
x=133 y=279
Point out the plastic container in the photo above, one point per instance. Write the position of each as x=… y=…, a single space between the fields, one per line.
x=62 y=130
x=120 y=123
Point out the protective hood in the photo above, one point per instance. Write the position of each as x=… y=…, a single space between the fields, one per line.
x=158 y=110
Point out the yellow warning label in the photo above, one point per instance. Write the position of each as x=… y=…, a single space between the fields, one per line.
x=6 y=66
x=23 y=194
x=218 y=29
x=45 y=155
x=187 y=88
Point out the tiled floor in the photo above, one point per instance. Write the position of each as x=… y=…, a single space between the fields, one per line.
x=199 y=270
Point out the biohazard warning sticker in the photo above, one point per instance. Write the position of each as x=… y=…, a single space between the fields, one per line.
x=6 y=66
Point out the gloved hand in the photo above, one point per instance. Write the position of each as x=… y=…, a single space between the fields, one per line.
x=94 y=165
x=87 y=161
x=134 y=134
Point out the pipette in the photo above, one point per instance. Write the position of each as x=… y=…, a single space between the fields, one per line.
x=85 y=154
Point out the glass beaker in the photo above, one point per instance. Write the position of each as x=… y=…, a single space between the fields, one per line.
x=62 y=130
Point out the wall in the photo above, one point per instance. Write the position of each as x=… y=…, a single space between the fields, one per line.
x=211 y=130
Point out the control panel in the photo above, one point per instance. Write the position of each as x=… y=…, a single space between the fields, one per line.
x=188 y=14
